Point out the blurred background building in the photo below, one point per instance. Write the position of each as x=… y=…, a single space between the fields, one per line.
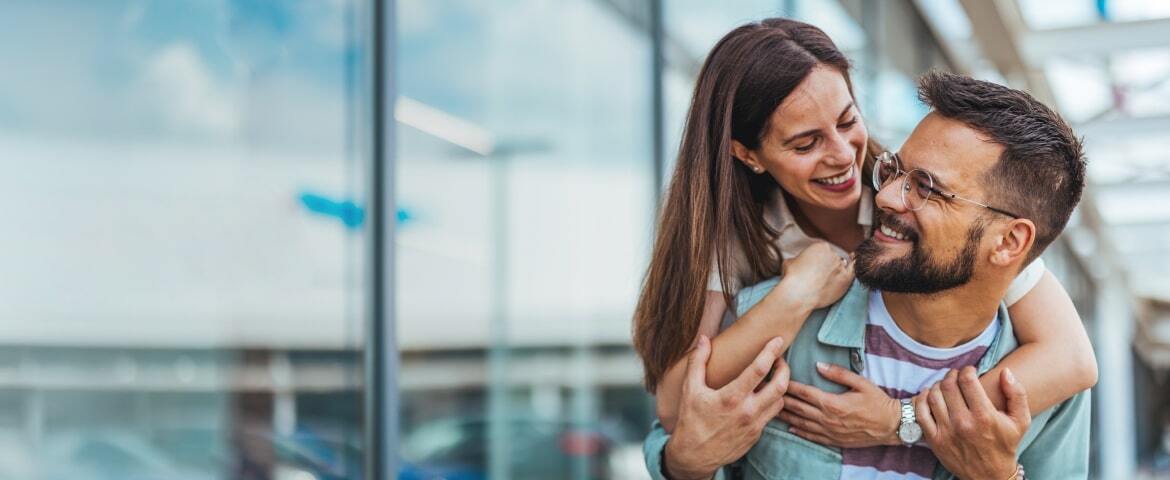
x=187 y=228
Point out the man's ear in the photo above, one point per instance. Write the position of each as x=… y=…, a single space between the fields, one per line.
x=747 y=156
x=1014 y=242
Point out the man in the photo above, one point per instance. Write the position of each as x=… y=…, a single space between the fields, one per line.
x=985 y=182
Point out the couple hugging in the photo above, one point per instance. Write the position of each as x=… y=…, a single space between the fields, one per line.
x=818 y=307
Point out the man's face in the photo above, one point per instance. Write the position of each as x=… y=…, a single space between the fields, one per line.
x=938 y=246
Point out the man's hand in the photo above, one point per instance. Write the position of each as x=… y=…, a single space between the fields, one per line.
x=862 y=417
x=717 y=427
x=967 y=434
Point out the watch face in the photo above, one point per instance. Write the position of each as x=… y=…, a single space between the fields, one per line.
x=909 y=432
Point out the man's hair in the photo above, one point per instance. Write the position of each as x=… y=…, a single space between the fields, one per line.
x=1041 y=172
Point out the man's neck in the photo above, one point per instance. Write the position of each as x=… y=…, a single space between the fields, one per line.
x=948 y=318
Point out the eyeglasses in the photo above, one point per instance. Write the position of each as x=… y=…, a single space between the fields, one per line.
x=917 y=186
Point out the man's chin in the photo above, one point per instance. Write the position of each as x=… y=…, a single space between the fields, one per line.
x=885 y=272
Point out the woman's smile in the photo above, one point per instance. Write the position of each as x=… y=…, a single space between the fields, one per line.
x=838 y=183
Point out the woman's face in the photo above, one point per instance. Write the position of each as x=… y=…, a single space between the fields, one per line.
x=815 y=143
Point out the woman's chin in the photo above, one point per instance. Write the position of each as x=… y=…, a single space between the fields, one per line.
x=837 y=201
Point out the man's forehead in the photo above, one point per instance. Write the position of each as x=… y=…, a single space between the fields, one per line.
x=948 y=148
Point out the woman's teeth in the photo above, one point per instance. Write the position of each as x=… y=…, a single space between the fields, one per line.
x=892 y=234
x=839 y=179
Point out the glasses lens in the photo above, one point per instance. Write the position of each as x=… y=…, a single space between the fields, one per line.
x=919 y=187
x=885 y=170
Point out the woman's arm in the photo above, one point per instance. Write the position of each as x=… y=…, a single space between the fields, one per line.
x=666 y=395
x=1051 y=334
x=816 y=278
x=777 y=315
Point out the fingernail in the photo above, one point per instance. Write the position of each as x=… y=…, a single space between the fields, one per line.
x=822 y=366
x=1011 y=377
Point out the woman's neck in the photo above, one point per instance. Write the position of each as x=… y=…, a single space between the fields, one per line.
x=838 y=227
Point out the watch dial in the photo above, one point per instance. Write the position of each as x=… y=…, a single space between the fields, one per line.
x=910 y=432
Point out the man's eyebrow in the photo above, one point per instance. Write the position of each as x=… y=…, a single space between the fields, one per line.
x=936 y=180
x=815 y=130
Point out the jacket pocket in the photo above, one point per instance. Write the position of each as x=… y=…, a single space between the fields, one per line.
x=779 y=454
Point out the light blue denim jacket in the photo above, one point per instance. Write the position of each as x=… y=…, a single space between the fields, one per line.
x=1056 y=445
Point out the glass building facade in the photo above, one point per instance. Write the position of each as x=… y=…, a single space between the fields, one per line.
x=184 y=239
x=186 y=253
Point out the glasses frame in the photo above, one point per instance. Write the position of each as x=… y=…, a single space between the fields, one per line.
x=896 y=160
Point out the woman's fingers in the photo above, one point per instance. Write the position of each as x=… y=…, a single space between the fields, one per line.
x=811 y=395
x=842 y=376
x=802 y=408
x=801 y=423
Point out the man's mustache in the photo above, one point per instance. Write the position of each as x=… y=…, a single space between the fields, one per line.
x=897 y=225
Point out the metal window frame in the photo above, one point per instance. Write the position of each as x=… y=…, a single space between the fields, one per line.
x=381 y=345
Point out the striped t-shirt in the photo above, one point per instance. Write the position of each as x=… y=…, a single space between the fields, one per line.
x=902 y=367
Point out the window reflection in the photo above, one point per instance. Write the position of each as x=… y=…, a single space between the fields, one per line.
x=172 y=306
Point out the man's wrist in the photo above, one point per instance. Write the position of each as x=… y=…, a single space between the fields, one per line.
x=1016 y=472
x=894 y=412
x=672 y=470
x=999 y=471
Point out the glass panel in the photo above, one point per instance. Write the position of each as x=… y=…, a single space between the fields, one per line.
x=1124 y=10
x=1044 y=14
x=525 y=178
x=1142 y=81
x=1082 y=88
x=183 y=290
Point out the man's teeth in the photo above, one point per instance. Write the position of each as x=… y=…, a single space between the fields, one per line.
x=839 y=179
x=890 y=233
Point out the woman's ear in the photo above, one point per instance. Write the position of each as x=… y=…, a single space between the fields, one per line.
x=1014 y=243
x=746 y=156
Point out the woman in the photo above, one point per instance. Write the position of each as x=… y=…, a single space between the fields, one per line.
x=768 y=182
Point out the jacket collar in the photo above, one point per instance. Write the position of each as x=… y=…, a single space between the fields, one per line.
x=844 y=326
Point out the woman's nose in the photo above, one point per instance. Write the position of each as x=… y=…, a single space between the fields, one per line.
x=841 y=152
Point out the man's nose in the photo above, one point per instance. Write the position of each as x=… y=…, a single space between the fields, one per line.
x=889 y=198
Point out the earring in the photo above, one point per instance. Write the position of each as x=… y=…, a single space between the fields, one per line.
x=759 y=169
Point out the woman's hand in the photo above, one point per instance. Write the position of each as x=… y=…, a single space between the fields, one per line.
x=818 y=275
x=864 y=416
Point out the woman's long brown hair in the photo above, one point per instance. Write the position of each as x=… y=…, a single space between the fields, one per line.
x=714 y=202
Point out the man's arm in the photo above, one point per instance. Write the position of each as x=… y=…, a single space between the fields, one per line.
x=1061 y=446
x=717 y=427
x=973 y=440
x=653 y=448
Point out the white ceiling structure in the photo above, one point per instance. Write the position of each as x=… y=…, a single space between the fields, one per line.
x=1105 y=64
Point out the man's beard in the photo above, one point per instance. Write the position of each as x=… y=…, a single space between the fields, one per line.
x=918 y=272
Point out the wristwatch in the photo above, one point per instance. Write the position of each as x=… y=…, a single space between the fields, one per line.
x=908 y=431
